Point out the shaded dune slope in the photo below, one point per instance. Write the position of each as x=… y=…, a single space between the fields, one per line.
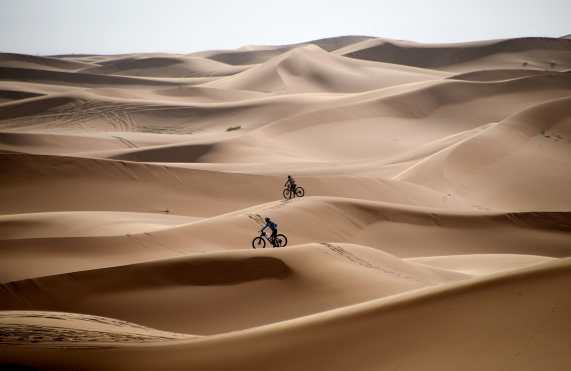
x=266 y=282
x=164 y=66
x=261 y=54
x=311 y=69
x=537 y=53
x=533 y=144
x=414 y=320
x=41 y=63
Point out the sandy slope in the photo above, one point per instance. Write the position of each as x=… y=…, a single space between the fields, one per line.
x=311 y=69
x=532 y=52
x=275 y=284
x=532 y=144
x=525 y=329
x=74 y=330
x=435 y=232
x=164 y=66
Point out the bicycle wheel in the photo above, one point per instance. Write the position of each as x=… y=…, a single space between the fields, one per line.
x=281 y=241
x=287 y=194
x=259 y=243
x=299 y=191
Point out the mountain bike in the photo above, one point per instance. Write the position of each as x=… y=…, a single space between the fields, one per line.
x=260 y=241
x=298 y=192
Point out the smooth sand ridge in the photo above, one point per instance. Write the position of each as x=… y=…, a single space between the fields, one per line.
x=260 y=54
x=504 y=159
x=481 y=264
x=207 y=95
x=84 y=224
x=79 y=184
x=164 y=66
x=526 y=329
x=197 y=294
x=287 y=159
x=42 y=63
x=532 y=53
x=311 y=69
x=7 y=95
x=498 y=74
x=75 y=78
x=402 y=231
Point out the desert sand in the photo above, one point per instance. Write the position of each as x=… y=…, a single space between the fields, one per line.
x=434 y=233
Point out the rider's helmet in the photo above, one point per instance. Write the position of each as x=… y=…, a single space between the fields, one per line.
x=289 y=176
x=267 y=219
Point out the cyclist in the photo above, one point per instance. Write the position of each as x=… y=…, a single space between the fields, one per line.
x=273 y=227
x=290 y=184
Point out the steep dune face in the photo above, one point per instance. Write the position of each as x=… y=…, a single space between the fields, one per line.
x=260 y=54
x=302 y=70
x=503 y=159
x=434 y=232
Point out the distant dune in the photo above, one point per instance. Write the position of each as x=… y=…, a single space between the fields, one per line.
x=434 y=232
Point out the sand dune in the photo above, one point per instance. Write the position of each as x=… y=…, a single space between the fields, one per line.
x=92 y=113
x=260 y=54
x=94 y=224
x=74 y=330
x=71 y=184
x=290 y=285
x=522 y=144
x=434 y=232
x=164 y=67
x=401 y=230
x=481 y=264
x=41 y=63
x=11 y=95
x=392 y=124
x=72 y=79
x=302 y=70
x=379 y=332
x=497 y=74
x=534 y=53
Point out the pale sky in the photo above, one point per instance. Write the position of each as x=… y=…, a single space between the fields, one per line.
x=125 y=26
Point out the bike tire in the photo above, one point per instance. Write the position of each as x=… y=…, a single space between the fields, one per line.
x=281 y=240
x=259 y=243
x=287 y=194
x=299 y=192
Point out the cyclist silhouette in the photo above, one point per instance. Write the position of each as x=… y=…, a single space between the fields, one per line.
x=273 y=227
x=290 y=184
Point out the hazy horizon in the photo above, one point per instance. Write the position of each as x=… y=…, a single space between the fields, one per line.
x=176 y=26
